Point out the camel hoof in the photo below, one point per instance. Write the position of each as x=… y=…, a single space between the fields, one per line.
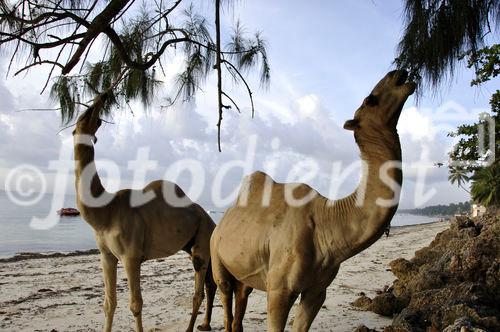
x=204 y=327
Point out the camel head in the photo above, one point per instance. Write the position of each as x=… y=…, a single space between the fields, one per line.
x=87 y=124
x=381 y=109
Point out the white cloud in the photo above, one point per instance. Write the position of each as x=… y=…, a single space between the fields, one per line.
x=184 y=133
x=314 y=88
x=418 y=126
x=308 y=106
x=6 y=124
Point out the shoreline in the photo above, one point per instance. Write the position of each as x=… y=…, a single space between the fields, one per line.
x=22 y=256
x=28 y=255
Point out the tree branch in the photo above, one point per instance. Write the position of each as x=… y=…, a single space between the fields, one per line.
x=38 y=63
x=232 y=101
x=250 y=93
x=98 y=25
x=218 y=66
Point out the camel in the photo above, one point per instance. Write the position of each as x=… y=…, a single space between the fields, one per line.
x=134 y=234
x=289 y=250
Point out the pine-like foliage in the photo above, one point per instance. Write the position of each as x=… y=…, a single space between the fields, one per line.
x=136 y=39
x=439 y=32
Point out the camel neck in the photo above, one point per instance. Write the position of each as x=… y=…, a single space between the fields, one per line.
x=355 y=222
x=87 y=182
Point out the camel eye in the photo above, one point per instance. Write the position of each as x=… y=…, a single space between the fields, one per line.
x=371 y=100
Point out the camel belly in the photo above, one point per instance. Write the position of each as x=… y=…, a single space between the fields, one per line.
x=163 y=240
x=256 y=280
x=243 y=251
x=247 y=269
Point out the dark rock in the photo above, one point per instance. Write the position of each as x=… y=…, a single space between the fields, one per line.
x=462 y=325
x=451 y=285
x=363 y=302
x=402 y=268
x=395 y=329
x=384 y=304
x=363 y=328
x=33 y=255
x=460 y=222
x=45 y=290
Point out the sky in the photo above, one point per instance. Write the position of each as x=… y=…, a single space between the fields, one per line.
x=325 y=58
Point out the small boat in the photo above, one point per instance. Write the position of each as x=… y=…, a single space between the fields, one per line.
x=68 y=212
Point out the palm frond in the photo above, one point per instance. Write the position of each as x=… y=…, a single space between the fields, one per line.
x=485 y=187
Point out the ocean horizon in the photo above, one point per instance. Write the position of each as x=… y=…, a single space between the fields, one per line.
x=73 y=233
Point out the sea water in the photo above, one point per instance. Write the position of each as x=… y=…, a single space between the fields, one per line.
x=73 y=233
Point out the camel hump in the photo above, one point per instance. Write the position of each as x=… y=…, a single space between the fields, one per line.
x=252 y=185
x=171 y=193
x=166 y=186
x=257 y=179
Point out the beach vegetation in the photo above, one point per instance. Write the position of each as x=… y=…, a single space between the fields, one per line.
x=439 y=36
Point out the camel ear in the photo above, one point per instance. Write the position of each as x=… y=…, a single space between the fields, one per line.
x=351 y=124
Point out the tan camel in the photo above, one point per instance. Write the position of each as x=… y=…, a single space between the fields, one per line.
x=133 y=235
x=289 y=250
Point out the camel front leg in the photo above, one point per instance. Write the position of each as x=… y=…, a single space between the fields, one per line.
x=241 y=299
x=133 y=270
x=310 y=304
x=279 y=303
x=109 y=263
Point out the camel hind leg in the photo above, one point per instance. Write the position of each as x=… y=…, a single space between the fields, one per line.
x=225 y=283
x=200 y=270
x=210 y=289
x=241 y=293
x=200 y=257
x=226 y=287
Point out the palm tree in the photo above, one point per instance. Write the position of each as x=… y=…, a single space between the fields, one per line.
x=459 y=176
x=485 y=187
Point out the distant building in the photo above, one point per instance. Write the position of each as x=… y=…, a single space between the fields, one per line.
x=478 y=210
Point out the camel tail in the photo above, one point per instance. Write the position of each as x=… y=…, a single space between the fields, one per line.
x=204 y=230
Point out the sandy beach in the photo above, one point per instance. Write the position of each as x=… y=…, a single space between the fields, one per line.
x=65 y=293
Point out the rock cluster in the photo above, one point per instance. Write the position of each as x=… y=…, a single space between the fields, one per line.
x=452 y=285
